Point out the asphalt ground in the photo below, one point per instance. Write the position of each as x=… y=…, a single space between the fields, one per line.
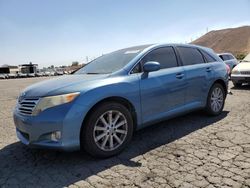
x=194 y=150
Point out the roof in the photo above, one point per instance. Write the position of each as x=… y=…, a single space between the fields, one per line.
x=225 y=53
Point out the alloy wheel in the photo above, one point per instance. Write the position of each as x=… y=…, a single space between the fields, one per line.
x=110 y=130
x=217 y=98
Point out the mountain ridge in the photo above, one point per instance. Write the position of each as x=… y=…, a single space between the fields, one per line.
x=232 y=40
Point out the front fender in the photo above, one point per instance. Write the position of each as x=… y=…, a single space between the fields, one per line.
x=125 y=87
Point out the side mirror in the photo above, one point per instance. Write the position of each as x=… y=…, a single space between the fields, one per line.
x=151 y=66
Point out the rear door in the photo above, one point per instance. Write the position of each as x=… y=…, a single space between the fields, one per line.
x=162 y=90
x=198 y=73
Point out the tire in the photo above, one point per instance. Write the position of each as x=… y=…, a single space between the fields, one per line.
x=215 y=103
x=97 y=132
x=237 y=84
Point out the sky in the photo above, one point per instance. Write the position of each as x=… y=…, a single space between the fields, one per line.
x=58 y=32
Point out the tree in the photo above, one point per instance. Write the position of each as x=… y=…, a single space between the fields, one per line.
x=240 y=56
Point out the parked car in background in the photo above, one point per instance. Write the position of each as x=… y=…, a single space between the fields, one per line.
x=12 y=75
x=31 y=75
x=241 y=73
x=52 y=73
x=39 y=74
x=229 y=59
x=21 y=75
x=3 y=76
x=99 y=107
x=58 y=73
x=47 y=73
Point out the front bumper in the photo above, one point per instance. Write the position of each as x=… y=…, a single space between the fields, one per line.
x=240 y=78
x=36 y=131
x=37 y=134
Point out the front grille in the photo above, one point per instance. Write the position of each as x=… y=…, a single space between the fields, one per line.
x=27 y=105
x=245 y=72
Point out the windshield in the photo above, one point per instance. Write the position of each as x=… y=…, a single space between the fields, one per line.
x=111 y=62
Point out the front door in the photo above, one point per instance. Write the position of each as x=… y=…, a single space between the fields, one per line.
x=162 y=90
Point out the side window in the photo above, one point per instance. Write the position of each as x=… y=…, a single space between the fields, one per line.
x=230 y=57
x=165 y=56
x=208 y=57
x=136 y=69
x=225 y=57
x=221 y=57
x=190 y=56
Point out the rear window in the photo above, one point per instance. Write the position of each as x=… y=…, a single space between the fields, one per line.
x=190 y=56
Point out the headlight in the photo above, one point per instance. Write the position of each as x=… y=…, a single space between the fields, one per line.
x=235 y=71
x=48 y=102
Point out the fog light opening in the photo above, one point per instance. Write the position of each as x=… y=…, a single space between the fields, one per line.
x=56 y=136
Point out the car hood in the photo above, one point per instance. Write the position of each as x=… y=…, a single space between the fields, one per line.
x=243 y=66
x=60 y=84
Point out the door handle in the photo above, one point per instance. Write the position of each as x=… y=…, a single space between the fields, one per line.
x=208 y=69
x=179 y=75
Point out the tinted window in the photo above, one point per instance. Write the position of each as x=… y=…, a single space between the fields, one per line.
x=230 y=57
x=208 y=57
x=165 y=56
x=221 y=57
x=190 y=56
x=225 y=57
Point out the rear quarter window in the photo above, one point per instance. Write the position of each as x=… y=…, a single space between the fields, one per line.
x=208 y=57
x=190 y=56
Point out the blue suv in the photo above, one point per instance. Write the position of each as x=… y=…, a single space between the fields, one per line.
x=99 y=107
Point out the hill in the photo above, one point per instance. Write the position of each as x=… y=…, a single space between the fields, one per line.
x=233 y=40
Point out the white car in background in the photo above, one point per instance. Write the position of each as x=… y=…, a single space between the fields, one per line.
x=21 y=75
x=12 y=75
x=241 y=73
x=3 y=76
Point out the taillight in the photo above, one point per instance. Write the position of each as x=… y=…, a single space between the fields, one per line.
x=228 y=69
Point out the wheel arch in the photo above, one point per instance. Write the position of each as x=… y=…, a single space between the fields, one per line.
x=118 y=99
x=220 y=81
